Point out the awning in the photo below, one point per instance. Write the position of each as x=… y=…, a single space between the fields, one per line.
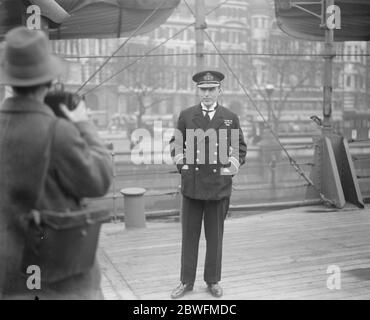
x=93 y=18
x=355 y=20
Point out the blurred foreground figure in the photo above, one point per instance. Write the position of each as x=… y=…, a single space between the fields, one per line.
x=79 y=164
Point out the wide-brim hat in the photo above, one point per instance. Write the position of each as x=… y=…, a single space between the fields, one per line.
x=208 y=78
x=26 y=59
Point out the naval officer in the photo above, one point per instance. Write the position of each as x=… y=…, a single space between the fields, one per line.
x=208 y=149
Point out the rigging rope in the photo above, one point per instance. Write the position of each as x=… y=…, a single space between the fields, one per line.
x=215 y=8
x=140 y=58
x=292 y=162
x=214 y=53
x=121 y=46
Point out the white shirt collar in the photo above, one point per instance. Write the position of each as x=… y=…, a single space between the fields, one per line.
x=212 y=108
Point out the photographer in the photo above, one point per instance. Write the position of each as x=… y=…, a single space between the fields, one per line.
x=80 y=165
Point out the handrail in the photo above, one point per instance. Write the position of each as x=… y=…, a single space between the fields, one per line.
x=160 y=172
x=251 y=148
x=268 y=168
x=360 y=158
x=358 y=140
x=266 y=186
x=233 y=208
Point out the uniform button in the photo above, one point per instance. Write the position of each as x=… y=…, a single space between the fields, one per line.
x=216 y=144
x=198 y=151
x=196 y=169
x=197 y=160
x=215 y=161
x=214 y=170
x=215 y=153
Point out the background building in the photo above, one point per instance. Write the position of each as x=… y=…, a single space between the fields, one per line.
x=261 y=56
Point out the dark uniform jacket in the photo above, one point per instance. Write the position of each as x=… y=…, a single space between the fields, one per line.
x=80 y=166
x=201 y=158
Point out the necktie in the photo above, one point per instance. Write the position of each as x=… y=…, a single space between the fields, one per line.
x=207 y=117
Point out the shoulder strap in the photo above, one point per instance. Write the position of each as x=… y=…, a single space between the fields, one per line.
x=46 y=156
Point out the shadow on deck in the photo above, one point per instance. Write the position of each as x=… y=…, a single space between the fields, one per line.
x=278 y=255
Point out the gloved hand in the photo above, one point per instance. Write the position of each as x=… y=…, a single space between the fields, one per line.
x=77 y=115
x=181 y=167
x=179 y=161
x=233 y=169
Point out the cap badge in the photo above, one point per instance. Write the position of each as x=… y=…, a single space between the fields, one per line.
x=208 y=77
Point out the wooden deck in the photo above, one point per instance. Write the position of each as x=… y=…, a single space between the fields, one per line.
x=278 y=255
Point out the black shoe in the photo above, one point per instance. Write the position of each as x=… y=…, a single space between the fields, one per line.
x=215 y=289
x=181 y=290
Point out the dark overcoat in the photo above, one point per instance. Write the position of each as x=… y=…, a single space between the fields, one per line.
x=202 y=157
x=80 y=166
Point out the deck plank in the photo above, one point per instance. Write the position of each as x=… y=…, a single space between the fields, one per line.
x=279 y=255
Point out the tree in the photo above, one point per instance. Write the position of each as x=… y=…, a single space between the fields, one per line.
x=288 y=77
x=288 y=74
x=145 y=80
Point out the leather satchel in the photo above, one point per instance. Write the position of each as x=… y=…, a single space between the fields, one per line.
x=62 y=244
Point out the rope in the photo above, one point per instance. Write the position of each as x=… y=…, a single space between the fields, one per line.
x=140 y=58
x=190 y=9
x=267 y=187
x=121 y=46
x=206 y=54
x=358 y=140
x=146 y=54
x=292 y=162
x=215 y=8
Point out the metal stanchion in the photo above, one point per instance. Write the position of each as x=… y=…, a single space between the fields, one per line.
x=134 y=207
x=114 y=196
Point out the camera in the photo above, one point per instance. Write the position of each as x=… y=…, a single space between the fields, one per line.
x=58 y=95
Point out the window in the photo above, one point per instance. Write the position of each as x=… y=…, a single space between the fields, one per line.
x=349 y=81
x=191 y=35
x=181 y=80
x=255 y=22
x=185 y=58
x=254 y=45
x=354 y=57
x=170 y=83
x=212 y=35
x=170 y=57
x=166 y=33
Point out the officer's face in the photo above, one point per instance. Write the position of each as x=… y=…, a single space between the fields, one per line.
x=209 y=95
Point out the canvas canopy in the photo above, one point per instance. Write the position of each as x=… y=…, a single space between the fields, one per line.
x=70 y=19
x=355 y=20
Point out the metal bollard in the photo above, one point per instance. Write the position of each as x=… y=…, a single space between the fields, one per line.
x=134 y=207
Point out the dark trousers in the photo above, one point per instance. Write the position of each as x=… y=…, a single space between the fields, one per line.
x=214 y=213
